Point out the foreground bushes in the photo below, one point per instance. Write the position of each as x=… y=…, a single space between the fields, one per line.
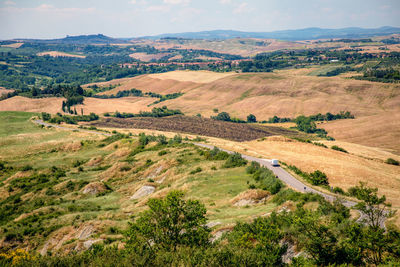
x=264 y=178
x=172 y=232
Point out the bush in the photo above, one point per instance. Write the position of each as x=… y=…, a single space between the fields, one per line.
x=251 y=118
x=318 y=178
x=339 y=149
x=223 y=116
x=197 y=170
x=26 y=168
x=392 y=162
x=264 y=178
x=234 y=160
x=162 y=152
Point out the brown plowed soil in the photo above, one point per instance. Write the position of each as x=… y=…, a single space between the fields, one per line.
x=197 y=126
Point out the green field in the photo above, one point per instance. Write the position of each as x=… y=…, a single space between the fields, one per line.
x=46 y=170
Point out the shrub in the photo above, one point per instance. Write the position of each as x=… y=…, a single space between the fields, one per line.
x=162 y=152
x=234 y=160
x=215 y=154
x=319 y=144
x=264 y=178
x=392 y=162
x=26 y=168
x=318 y=178
x=197 y=170
x=339 y=149
x=125 y=168
x=223 y=116
x=251 y=118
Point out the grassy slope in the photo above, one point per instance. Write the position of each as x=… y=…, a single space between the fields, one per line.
x=68 y=214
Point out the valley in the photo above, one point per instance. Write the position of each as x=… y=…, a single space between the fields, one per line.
x=104 y=140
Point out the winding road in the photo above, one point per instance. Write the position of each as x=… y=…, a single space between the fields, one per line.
x=283 y=175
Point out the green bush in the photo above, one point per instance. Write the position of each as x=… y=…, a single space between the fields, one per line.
x=339 y=149
x=264 y=178
x=197 y=170
x=392 y=162
x=234 y=160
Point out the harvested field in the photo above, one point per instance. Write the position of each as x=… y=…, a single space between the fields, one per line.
x=198 y=126
x=59 y=54
x=20 y=103
x=192 y=76
x=148 y=57
x=4 y=91
x=13 y=45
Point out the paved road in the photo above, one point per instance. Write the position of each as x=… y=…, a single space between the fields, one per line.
x=278 y=171
x=294 y=183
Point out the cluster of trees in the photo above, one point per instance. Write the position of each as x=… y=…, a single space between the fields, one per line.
x=224 y=116
x=155 y=112
x=337 y=71
x=68 y=119
x=123 y=93
x=381 y=75
x=173 y=232
x=315 y=178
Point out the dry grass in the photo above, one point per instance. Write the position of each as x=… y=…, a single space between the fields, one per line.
x=19 y=103
x=343 y=170
x=59 y=54
x=148 y=57
x=191 y=76
x=381 y=130
x=13 y=45
x=4 y=91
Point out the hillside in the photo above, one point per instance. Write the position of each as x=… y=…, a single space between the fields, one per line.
x=286 y=93
x=300 y=34
x=74 y=190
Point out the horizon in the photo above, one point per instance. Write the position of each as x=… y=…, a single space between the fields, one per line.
x=212 y=30
x=137 y=18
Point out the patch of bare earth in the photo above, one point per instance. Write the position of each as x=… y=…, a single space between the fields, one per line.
x=59 y=54
x=195 y=125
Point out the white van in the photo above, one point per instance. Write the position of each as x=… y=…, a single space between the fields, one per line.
x=275 y=162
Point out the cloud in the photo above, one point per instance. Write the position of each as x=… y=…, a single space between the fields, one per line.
x=242 y=8
x=224 y=2
x=158 y=8
x=177 y=2
x=9 y=3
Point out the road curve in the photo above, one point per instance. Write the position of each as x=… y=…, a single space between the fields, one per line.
x=285 y=177
x=288 y=179
x=278 y=171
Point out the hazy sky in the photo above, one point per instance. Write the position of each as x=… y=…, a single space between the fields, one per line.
x=129 y=18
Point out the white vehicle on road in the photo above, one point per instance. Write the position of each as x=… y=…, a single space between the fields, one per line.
x=275 y=162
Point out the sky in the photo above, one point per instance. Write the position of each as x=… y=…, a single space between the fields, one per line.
x=133 y=18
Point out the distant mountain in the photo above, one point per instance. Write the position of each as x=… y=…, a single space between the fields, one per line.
x=289 y=35
x=80 y=39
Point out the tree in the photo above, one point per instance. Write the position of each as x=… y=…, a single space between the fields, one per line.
x=170 y=222
x=375 y=208
x=223 y=116
x=305 y=124
x=251 y=118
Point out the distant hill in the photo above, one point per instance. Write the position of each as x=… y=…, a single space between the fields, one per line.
x=80 y=39
x=290 y=35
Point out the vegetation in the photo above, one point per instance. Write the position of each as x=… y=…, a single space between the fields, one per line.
x=315 y=178
x=337 y=148
x=155 y=112
x=264 y=178
x=172 y=232
x=68 y=119
x=392 y=162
